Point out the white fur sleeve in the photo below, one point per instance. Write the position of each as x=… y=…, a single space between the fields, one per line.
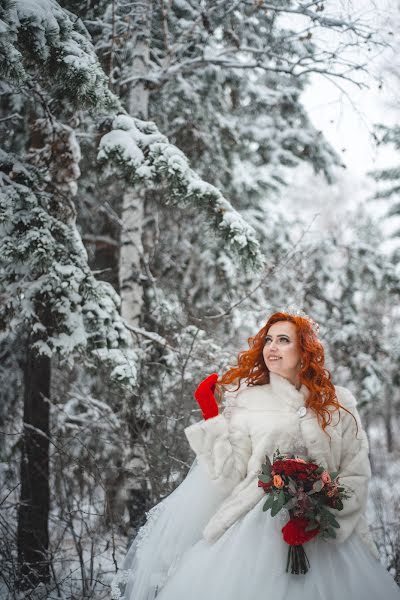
x=223 y=445
x=354 y=470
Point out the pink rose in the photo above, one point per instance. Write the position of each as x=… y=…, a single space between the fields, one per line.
x=326 y=478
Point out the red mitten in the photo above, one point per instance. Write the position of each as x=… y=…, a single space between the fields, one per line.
x=204 y=395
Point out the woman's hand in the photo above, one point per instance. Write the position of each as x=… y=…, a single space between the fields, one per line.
x=204 y=395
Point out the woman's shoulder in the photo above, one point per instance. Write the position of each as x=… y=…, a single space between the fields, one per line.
x=345 y=396
x=242 y=397
x=233 y=394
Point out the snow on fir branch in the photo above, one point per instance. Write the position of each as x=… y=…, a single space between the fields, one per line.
x=388 y=176
x=143 y=154
x=41 y=34
x=47 y=289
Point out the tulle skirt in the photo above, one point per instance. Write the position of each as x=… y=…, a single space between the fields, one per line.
x=169 y=559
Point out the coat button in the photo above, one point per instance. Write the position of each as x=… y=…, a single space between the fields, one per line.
x=302 y=411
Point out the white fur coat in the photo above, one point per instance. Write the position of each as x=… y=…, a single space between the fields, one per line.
x=256 y=421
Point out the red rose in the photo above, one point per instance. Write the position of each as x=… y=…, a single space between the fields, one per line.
x=287 y=467
x=307 y=467
x=294 y=532
x=279 y=466
x=291 y=467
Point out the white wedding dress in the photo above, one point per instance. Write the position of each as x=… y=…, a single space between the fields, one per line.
x=169 y=559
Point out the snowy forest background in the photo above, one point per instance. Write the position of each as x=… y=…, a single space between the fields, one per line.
x=157 y=169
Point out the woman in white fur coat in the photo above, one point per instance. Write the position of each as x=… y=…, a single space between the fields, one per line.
x=210 y=538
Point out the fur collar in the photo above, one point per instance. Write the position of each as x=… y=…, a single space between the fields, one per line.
x=277 y=393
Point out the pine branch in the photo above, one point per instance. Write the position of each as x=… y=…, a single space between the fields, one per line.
x=46 y=40
x=144 y=155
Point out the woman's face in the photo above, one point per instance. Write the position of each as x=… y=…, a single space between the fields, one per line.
x=281 y=350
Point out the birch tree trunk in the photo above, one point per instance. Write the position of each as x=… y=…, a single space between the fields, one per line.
x=131 y=248
x=131 y=489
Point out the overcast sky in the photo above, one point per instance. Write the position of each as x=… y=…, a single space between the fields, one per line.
x=347 y=117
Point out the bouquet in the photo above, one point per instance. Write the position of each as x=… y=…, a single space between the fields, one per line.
x=307 y=490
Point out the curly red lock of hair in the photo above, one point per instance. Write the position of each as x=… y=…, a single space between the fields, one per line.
x=313 y=374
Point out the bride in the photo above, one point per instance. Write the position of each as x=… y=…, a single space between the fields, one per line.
x=210 y=538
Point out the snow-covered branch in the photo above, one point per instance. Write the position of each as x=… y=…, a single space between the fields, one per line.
x=316 y=16
x=44 y=34
x=44 y=270
x=233 y=43
x=145 y=155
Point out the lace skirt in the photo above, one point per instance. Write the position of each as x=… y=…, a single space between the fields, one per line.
x=169 y=559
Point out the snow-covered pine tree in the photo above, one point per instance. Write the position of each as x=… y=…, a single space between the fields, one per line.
x=52 y=306
x=213 y=75
x=225 y=85
x=388 y=180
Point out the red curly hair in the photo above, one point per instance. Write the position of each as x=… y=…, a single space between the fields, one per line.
x=251 y=367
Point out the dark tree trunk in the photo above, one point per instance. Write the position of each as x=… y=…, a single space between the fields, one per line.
x=33 y=512
x=388 y=418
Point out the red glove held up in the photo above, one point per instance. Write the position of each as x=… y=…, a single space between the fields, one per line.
x=204 y=395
